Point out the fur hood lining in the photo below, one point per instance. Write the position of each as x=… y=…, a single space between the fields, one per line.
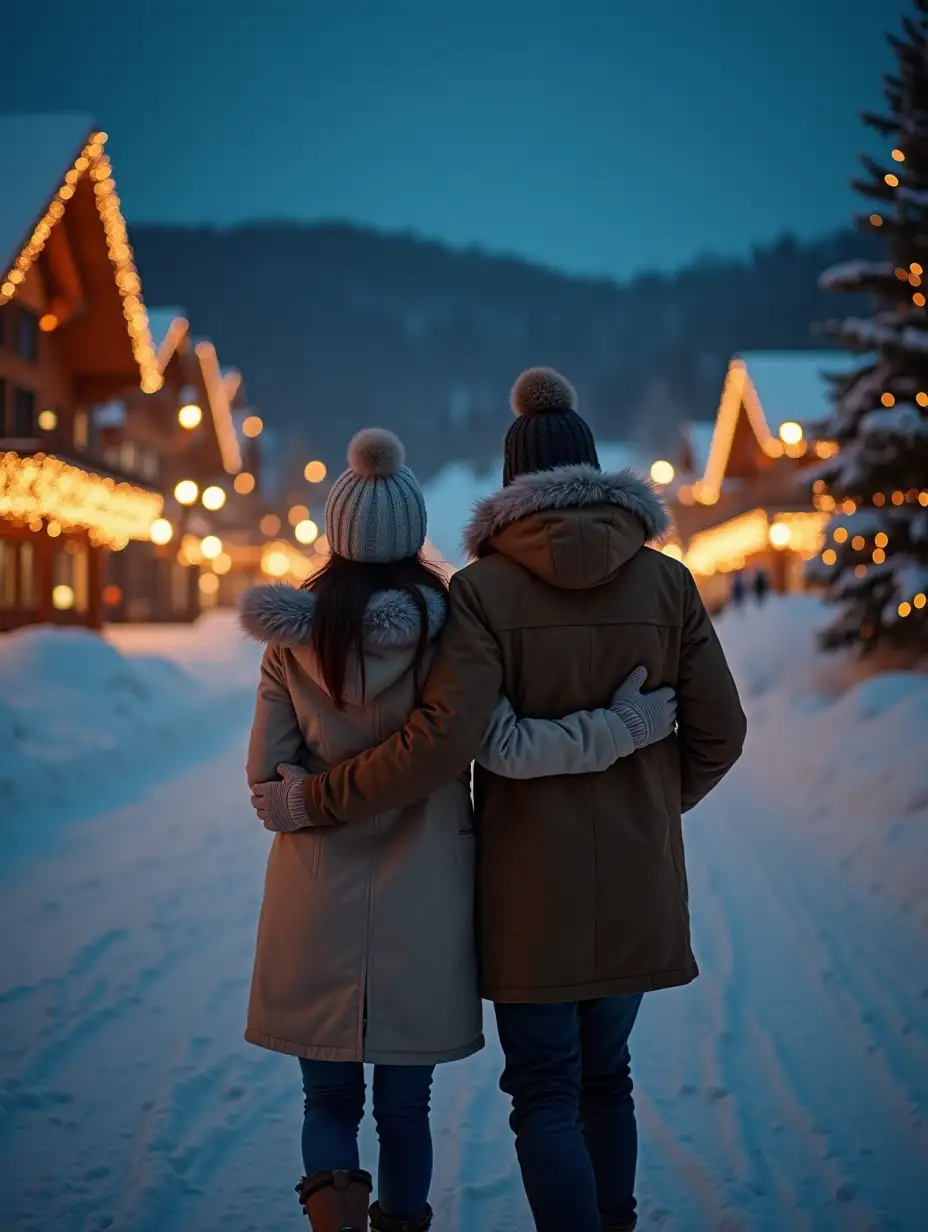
x=566 y=487
x=280 y=614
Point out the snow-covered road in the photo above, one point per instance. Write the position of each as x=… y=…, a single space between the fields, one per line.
x=786 y=1089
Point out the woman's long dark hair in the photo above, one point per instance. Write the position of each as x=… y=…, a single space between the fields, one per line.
x=343 y=589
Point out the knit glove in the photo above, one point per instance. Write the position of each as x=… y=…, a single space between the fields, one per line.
x=280 y=804
x=649 y=717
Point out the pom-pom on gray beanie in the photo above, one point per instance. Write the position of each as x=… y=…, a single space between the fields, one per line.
x=375 y=513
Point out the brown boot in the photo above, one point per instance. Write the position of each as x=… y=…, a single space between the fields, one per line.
x=380 y=1222
x=336 y=1201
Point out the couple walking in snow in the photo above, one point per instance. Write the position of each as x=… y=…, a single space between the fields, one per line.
x=392 y=904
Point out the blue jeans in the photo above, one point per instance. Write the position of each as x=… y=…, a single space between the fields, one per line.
x=334 y=1107
x=567 y=1072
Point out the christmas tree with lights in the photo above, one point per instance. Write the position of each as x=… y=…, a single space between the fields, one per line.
x=875 y=562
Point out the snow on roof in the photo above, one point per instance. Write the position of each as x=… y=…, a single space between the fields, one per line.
x=790 y=384
x=37 y=150
x=160 y=321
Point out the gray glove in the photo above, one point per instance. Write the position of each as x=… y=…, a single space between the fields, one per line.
x=280 y=805
x=649 y=717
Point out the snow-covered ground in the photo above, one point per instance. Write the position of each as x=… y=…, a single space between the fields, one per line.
x=786 y=1088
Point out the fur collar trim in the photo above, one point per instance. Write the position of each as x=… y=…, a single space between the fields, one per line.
x=277 y=613
x=567 y=487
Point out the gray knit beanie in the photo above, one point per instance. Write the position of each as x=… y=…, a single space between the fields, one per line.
x=547 y=432
x=375 y=512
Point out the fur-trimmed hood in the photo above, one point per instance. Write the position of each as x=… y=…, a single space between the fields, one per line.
x=575 y=526
x=282 y=615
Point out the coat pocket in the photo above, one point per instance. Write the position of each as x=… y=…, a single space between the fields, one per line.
x=309 y=848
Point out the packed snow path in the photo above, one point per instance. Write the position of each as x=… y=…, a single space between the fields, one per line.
x=785 y=1089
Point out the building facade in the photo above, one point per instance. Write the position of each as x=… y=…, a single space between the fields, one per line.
x=742 y=499
x=74 y=334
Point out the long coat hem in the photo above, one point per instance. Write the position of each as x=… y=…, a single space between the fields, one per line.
x=623 y=985
x=369 y=1056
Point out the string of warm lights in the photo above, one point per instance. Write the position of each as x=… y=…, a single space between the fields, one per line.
x=38 y=489
x=789 y=441
x=93 y=161
x=178 y=328
x=721 y=549
x=217 y=395
x=824 y=501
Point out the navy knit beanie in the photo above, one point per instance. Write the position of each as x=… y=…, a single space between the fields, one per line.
x=547 y=432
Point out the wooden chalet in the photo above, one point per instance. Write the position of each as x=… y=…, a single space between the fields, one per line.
x=190 y=421
x=742 y=496
x=74 y=334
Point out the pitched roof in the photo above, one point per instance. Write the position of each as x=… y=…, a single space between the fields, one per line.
x=37 y=150
x=771 y=388
x=167 y=325
x=790 y=384
x=217 y=396
x=54 y=158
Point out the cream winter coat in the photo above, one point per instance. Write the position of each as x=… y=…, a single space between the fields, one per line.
x=366 y=945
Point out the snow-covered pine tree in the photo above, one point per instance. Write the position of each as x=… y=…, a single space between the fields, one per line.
x=875 y=561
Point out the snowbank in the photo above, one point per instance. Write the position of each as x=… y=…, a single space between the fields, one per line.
x=838 y=743
x=77 y=711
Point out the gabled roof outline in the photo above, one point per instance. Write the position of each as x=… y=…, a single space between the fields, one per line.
x=44 y=139
x=740 y=391
x=220 y=410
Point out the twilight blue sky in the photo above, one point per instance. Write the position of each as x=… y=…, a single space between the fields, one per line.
x=600 y=136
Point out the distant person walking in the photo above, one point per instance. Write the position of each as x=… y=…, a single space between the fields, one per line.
x=366 y=946
x=581 y=885
x=761 y=587
x=738 y=591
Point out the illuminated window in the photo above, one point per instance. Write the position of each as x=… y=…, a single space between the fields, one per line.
x=28 y=595
x=81 y=573
x=128 y=456
x=81 y=430
x=7 y=574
